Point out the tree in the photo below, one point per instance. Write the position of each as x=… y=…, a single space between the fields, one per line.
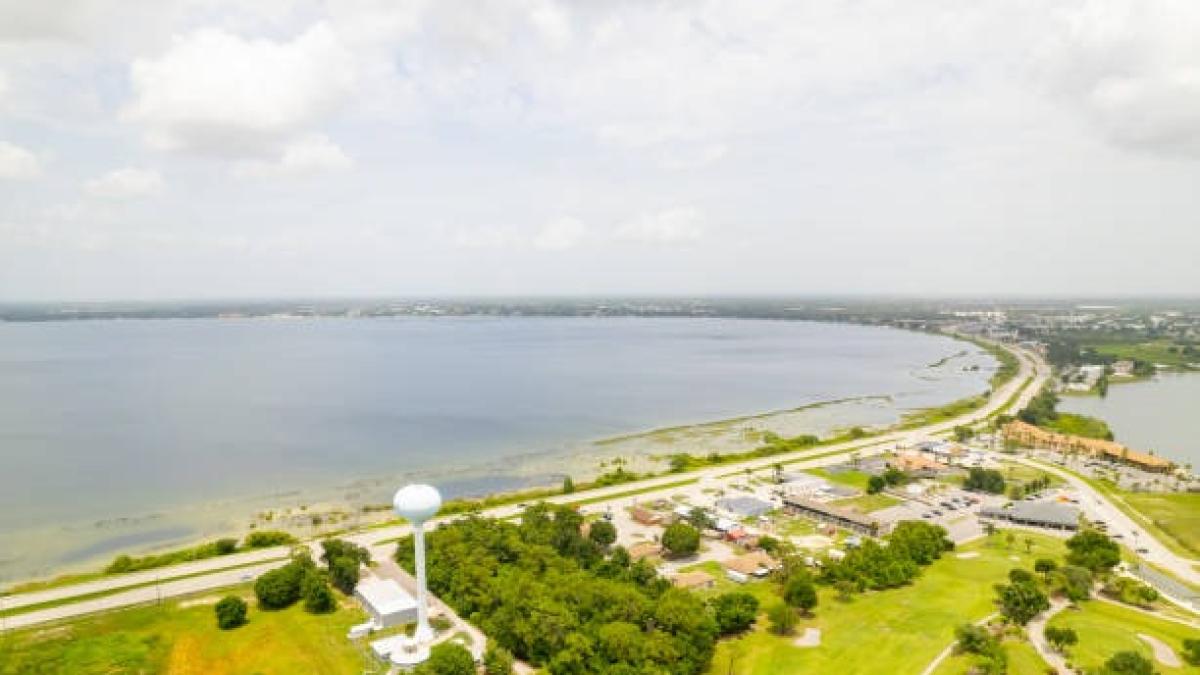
x=231 y=612
x=1191 y=651
x=497 y=660
x=875 y=484
x=1094 y=550
x=734 y=612
x=1028 y=544
x=318 y=599
x=1020 y=602
x=974 y=639
x=962 y=433
x=801 y=593
x=782 y=618
x=447 y=658
x=681 y=539
x=1045 y=566
x=343 y=573
x=699 y=519
x=1061 y=637
x=1020 y=576
x=1128 y=663
x=845 y=590
x=1074 y=582
x=602 y=532
x=226 y=546
x=568 y=486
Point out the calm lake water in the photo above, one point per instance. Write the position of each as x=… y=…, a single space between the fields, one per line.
x=1159 y=415
x=111 y=426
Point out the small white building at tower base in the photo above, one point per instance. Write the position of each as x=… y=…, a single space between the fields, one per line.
x=386 y=603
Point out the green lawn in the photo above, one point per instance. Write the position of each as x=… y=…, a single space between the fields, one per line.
x=854 y=479
x=1105 y=629
x=867 y=503
x=897 y=631
x=176 y=639
x=1079 y=425
x=1176 y=514
x=1152 y=352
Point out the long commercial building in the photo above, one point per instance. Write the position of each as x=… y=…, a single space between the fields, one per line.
x=1037 y=437
x=824 y=513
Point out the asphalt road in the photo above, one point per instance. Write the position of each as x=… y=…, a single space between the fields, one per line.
x=214 y=573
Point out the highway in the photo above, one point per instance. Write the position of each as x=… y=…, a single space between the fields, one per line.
x=214 y=573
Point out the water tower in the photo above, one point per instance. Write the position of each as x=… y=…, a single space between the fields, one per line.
x=419 y=503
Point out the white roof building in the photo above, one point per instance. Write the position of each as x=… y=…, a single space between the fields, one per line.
x=386 y=602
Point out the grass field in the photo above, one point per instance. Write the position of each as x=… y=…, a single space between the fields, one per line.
x=854 y=479
x=896 y=631
x=1079 y=425
x=1152 y=352
x=1105 y=629
x=178 y=639
x=867 y=503
x=1176 y=514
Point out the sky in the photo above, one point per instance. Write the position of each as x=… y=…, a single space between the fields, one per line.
x=176 y=149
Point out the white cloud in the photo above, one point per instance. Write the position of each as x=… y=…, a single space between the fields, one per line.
x=128 y=183
x=1132 y=69
x=308 y=155
x=669 y=226
x=560 y=234
x=17 y=162
x=214 y=92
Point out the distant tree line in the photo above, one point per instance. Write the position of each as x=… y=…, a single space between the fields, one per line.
x=212 y=549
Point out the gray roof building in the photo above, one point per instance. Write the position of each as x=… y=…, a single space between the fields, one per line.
x=1040 y=514
x=745 y=506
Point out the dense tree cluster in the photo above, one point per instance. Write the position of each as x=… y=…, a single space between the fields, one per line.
x=550 y=596
x=984 y=480
x=299 y=579
x=1094 y=550
x=872 y=566
x=1131 y=591
x=344 y=560
x=1127 y=663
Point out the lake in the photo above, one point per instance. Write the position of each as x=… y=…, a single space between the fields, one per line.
x=1158 y=415
x=112 y=431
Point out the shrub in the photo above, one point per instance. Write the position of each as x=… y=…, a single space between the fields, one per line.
x=447 y=658
x=681 y=539
x=1128 y=663
x=265 y=538
x=226 y=546
x=801 y=593
x=497 y=660
x=783 y=619
x=875 y=484
x=231 y=612
x=603 y=533
x=1191 y=651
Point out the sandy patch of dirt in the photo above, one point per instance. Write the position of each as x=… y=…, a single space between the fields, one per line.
x=1162 y=651
x=810 y=638
x=968 y=555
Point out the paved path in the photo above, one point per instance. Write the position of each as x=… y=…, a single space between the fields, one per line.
x=1037 y=635
x=1031 y=368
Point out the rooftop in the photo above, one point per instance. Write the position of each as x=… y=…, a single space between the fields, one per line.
x=384 y=595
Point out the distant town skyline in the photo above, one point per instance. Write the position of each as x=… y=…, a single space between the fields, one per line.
x=299 y=149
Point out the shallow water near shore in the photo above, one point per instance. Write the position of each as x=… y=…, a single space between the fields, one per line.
x=118 y=435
